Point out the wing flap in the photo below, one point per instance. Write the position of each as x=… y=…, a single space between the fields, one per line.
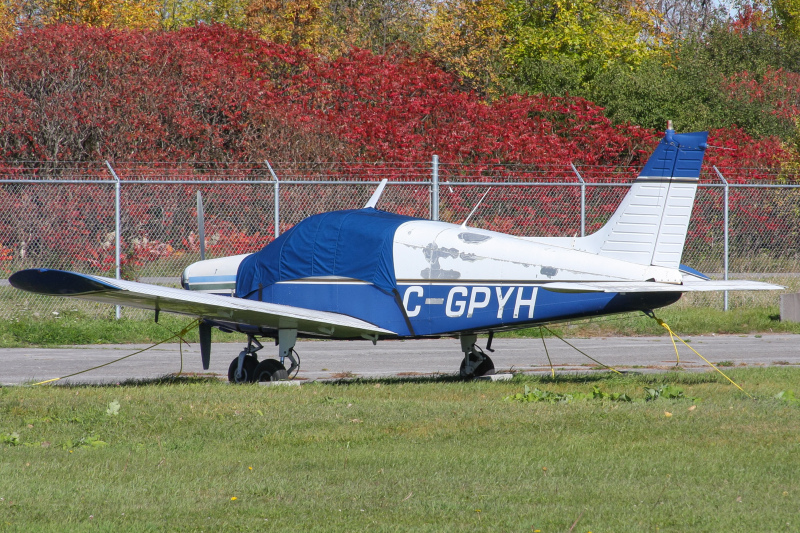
x=210 y=306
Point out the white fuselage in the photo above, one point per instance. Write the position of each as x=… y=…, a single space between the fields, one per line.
x=431 y=252
x=440 y=251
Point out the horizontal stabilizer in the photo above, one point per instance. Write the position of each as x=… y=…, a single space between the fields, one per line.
x=649 y=286
x=180 y=301
x=731 y=285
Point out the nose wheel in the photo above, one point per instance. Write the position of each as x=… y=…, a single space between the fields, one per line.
x=475 y=363
x=484 y=368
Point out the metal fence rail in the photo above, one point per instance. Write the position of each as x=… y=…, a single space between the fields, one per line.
x=138 y=220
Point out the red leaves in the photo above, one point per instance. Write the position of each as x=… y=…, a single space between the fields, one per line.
x=743 y=158
x=214 y=93
x=206 y=93
x=778 y=90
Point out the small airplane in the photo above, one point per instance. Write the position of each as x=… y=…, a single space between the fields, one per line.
x=371 y=274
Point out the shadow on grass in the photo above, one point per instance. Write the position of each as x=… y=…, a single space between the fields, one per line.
x=397 y=380
x=518 y=377
x=166 y=380
x=564 y=378
x=671 y=377
x=668 y=377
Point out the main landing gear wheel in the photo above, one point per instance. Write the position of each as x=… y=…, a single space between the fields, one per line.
x=270 y=370
x=248 y=369
x=484 y=368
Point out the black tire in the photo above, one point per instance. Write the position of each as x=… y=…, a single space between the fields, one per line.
x=248 y=369
x=270 y=370
x=485 y=368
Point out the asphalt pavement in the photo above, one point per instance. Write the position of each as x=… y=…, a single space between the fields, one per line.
x=343 y=359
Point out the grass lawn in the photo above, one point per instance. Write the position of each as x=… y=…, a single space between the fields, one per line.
x=403 y=455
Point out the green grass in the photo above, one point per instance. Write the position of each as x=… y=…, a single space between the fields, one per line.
x=74 y=327
x=400 y=455
x=71 y=328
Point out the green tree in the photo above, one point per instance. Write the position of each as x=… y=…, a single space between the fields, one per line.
x=175 y=14
x=557 y=46
x=692 y=85
x=787 y=16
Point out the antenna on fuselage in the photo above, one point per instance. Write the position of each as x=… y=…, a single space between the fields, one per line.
x=464 y=224
x=373 y=201
x=277 y=213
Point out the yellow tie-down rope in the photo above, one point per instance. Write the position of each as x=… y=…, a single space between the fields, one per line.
x=574 y=348
x=673 y=336
x=179 y=335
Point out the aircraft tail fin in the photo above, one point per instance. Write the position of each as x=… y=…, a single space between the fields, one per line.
x=650 y=225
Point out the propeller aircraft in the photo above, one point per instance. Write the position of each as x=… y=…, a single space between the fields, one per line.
x=375 y=275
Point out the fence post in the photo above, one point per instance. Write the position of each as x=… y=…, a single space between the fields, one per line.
x=435 y=189
x=277 y=195
x=117 y=230
x=726 y=231
x=583 y=199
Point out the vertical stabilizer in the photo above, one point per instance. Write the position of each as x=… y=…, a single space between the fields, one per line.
x=650 y=225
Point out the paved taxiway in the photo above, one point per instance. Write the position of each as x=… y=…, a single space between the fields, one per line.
x=335 y=359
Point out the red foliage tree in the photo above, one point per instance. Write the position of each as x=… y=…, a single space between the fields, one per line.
x=212 y=93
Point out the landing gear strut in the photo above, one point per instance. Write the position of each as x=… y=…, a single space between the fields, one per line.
x=475 y=363
x=247 y=369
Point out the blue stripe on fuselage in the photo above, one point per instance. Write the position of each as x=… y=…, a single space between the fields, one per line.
x=212 y=279
x=436 y=309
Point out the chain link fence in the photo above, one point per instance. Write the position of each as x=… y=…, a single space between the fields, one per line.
x=745 y=224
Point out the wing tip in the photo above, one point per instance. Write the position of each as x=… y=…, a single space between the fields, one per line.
x=56 y=282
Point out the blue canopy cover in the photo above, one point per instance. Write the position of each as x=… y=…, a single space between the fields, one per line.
x=354 y=244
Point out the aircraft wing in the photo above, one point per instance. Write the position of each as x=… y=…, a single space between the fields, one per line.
x=210 y=306
x=649 y=286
